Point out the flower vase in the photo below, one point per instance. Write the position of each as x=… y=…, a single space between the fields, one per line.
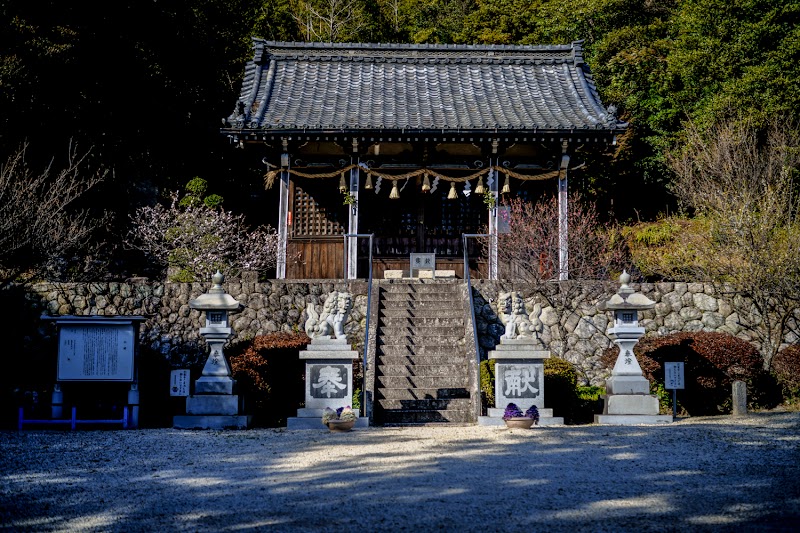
x=341 y=425
x=519 y=422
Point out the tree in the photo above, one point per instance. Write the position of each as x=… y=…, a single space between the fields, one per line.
x=39 y=221
x=529 y=252
x=197 y=239
x=743 y=181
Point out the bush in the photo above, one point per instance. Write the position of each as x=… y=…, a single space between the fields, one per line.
x=713 y=361
x=560 y=380
x=786 y=368
x=269 y=374
x=487 y=383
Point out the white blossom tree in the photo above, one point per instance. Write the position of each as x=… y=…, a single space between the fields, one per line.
x=196 y=240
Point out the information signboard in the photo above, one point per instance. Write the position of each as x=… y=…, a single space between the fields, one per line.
x=92 y=348
x=179 y=383
x=673 y=376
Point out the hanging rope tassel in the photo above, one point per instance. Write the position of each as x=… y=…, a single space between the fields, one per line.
x=426 y=184
x=342 y=185
x=453 y=194
x=479 y=189
x=395 y=194
x=368 y=184
x=506 y=186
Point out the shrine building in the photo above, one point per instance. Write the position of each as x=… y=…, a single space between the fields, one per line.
x=414 y=144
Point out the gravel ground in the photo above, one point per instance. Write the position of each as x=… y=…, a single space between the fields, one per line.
x=698 y=474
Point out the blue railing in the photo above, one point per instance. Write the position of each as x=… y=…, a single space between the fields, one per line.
x=369 y=310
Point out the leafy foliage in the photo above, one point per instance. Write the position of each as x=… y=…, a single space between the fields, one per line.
x=269 y=375
x=713 y=361
x=487 y=382
x=786 y=367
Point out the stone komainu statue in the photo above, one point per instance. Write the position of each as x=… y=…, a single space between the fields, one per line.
x=514 y=316
x=334 y=314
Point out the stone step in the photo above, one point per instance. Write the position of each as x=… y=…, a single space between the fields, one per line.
x=426 y=286
x=421 y=296
x=421 y=332
x=454 y=342
x=457 y=370
x=420 y=382
x=404 y=312
x=416 y=305
x=406 y=393
x=403 y=416
x=402 y=347
x=421 y=359
x=399 y=322
x=463 y=404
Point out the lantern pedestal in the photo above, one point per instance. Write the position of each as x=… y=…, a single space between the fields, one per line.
x=519 y=379
x=213 y=405
x=628 y=400
x=329 y=382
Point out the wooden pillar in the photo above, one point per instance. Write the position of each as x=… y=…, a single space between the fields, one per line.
x=563 y=220
x=352 y=242
x=283 y=217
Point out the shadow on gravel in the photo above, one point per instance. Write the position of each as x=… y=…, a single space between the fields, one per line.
x=695 y=476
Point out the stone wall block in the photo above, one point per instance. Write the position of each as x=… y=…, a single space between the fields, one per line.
x=691 y=313
x=674 y=322
x=665 y=287
x=681 y=288
x=662 y=309
x=674 y=301
x=713 y=320
x=693 y=325
x=585 y=328
x=696 y=287
x=549 y=316
x=704 y=302
x=724 y=307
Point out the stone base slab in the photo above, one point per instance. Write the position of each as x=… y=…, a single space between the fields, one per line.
x=630 y=404
x=632 y=420
x=344 y=355
x=212 y=405
x=518 y=352
x=212 y=385
x=627 y=385
x=211 y=422
x=499 y=422
x=302 y=422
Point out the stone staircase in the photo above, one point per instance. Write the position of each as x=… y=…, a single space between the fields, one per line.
x=422 y=373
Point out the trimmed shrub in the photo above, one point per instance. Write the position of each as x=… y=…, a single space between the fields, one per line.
x=713 y=361
x=786 y=368
x=269 y=373
x=487 y=383
x=560 y=380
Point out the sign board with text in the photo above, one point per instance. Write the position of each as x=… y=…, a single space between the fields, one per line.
x=97 y=348
x=673 y=376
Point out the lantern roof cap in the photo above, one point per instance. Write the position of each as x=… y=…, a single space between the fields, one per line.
x=627 y=298
x=216 y=299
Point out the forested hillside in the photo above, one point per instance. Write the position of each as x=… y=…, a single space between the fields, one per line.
x=145 y=83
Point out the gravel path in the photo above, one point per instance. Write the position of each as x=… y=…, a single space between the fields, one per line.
x=698 y=474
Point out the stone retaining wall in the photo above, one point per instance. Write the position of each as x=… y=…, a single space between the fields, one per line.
x=172 y=327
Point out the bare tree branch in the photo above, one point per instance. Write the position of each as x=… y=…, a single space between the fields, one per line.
x=38 y=222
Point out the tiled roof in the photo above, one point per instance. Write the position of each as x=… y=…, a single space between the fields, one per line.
x=323 y=86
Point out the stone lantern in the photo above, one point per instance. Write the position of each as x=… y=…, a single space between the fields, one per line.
x=628 y=399
x=214 y=404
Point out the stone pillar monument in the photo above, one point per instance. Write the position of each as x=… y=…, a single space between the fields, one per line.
x=628 y=400
x=329 y=363
x=519 y=367
x=214 y=404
